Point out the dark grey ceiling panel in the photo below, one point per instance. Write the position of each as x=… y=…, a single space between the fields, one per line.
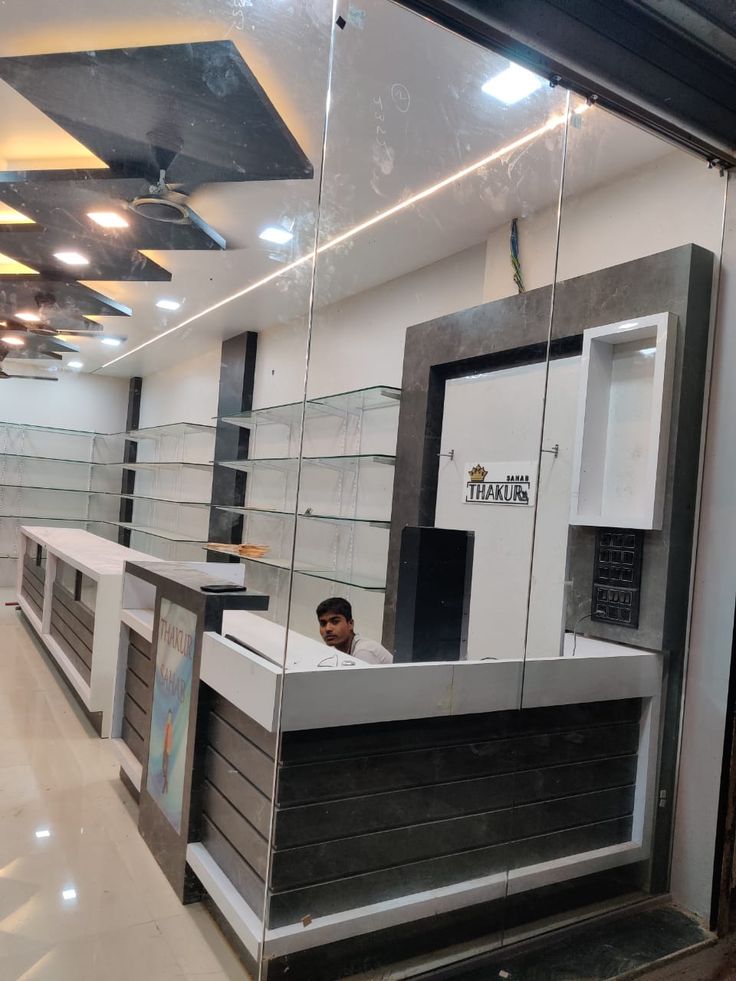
x=63 y=306
x=193 y=110
x=63 y=205
x=107 y=260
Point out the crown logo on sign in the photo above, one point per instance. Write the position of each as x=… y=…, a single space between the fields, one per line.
x=478 y=473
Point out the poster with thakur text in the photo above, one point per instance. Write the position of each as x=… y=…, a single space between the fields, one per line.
x=172 y=693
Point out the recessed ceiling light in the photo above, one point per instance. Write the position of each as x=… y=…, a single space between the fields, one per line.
x=72 y=258
x=513 y=85
x=168 y=304
x=279 y=236
x=68 y=894
x=75 y=364
x=108 y=219
x=13 y=340
x=30 y=318
x=111 y=341
x=43 y=833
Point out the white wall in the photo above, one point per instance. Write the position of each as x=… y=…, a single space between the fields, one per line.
x=360 y=341
x=90 y=402
x=673 y=201
x=185 y=392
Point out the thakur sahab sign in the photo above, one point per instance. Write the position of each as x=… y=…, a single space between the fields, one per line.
x=510 y=484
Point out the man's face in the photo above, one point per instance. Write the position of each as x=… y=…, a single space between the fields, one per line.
x=335 y=629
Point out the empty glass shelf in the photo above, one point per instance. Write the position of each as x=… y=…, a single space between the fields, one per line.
x=161 y=465
x=53 y=430
x=289 y=414
x=169 y=429
x=308 y=515
x=290 y=463
x=161 y=500
x=170 y=536
x=53 y=459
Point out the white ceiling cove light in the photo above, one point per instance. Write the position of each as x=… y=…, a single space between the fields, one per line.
x=75 y=364
x=30 y=318
x=13 y=340
x=513 y=85
x=168 y=304
x=108 y=219
x=111 y=341
x=279 y=236
x=72 y=258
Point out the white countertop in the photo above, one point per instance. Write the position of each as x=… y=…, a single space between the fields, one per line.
x=319 y=694
x=92 y=555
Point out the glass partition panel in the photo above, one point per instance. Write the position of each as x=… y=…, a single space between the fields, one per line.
x=417 y=478
x=161 y=169
x=639 y=245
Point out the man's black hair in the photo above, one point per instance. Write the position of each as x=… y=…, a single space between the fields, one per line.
x=335 y=604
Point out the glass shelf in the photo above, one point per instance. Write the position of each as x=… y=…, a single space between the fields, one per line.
x=54 y=459
x=170 y=536
x=53 y=429
x=58 y=490
x=361 y=582
x=161 y=465
x=357 y=401
x=336 y=518
x=169 y=429
x=290 y=463
x=100 y=493
x=158 y=500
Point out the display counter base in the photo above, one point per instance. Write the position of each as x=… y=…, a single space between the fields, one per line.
x=52 y=656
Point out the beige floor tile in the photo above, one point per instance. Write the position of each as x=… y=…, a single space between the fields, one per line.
x=57 y=778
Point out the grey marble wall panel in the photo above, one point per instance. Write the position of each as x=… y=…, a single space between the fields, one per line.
x=515 y=329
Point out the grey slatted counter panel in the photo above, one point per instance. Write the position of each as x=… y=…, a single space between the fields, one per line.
x=72 y=627
x=236 y=796
x=32 y=585
x=138 y=695
x=373 y=812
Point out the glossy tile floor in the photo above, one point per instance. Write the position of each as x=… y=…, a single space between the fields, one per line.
x=81 y=898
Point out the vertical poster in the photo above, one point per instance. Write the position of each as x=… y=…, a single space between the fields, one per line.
x=172 y=692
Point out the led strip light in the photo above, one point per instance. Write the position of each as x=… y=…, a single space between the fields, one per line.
x=552 y=123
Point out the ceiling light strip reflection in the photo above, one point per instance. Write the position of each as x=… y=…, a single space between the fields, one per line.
x=552 y=123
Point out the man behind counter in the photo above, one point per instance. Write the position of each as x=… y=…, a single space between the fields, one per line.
x=335 y=616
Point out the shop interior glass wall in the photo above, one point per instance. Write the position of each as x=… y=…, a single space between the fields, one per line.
x=510 y=770
x=416 y=504
x=639 y=252
x=158 y=214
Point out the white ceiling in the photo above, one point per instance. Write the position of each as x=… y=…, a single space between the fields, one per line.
x=406 y=112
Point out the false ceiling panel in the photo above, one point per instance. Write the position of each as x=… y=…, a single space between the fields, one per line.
x=65 y=205
x=62 y=306
x=195 y=111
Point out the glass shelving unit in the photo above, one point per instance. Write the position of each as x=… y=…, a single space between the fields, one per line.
x=343 y=486
x=57 y=473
